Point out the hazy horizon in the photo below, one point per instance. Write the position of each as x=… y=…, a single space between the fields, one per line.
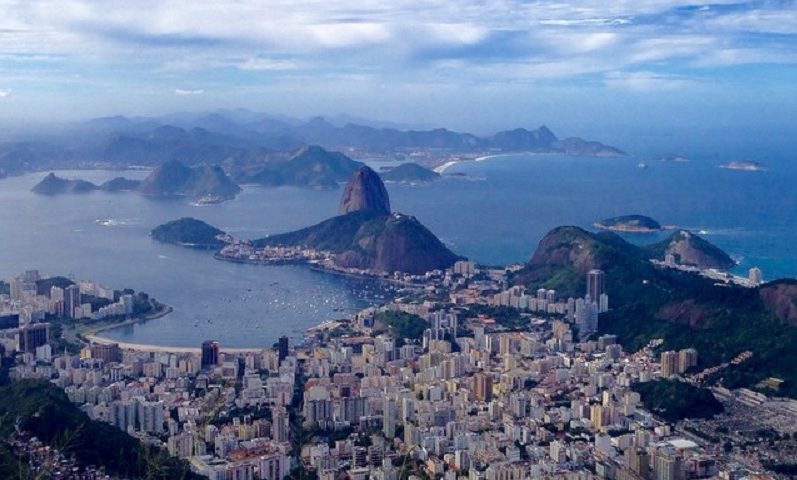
x=607 y=71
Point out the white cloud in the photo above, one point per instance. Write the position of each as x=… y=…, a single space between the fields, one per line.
x=181 y=91
x=645 y=81
x=5 y=93
x=263 y=64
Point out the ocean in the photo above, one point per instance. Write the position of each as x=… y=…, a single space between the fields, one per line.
x=493 y=211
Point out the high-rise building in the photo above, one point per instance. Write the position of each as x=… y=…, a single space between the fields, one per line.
x=210 y=354
x=687 y=359
x=31 y=337
x=389 y=415
x=482 y=387
x=754 y=276
x=282 y=348
x=108 y=353
x=669 y=364
x=596 y=284
x=71 y=300
x=280 y=426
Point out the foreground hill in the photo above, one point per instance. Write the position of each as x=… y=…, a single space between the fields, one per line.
x=200 y=182
x=42 y=409
x=690 y=249
x=682 y=308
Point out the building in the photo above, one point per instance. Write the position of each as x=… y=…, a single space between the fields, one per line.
x=389 y=414
x=687 y=359
x=31 y=337
x=282 y=348
x=483 y=387
x=9 y=320
x=108 y=353
x=754 y=276
x=596 y=284
x=669 y=364
x=71 y=300
x=210 y=354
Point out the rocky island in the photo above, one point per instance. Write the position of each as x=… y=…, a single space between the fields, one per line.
x=366 y=238
x=743 y=166
x=55 y=185
x=189 y=232
x=629 y=224
x=203 y=184
x=409 y=173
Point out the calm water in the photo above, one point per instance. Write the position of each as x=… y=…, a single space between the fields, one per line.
x=495 y=216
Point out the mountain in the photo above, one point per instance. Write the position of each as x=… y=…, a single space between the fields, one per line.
x=682 y=308
x=780 y=297
x=409 y=173
x=692 y=250
x=43 y=410
x=189 y=232
x=629 y=223
x=310 y=166
x=120 y=184
x=202 y=182
x=54 y=185
x=364 y=192
x=367 y=236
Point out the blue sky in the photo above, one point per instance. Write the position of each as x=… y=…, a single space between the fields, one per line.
x=587 y=67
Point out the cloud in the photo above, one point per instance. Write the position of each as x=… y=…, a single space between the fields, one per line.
x=5 y=93
x=644 y=81
x=263 y=64
x=181 y=91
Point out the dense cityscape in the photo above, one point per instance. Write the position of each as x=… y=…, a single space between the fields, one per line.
x=460 y=377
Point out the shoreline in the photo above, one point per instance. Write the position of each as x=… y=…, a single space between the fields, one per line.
x=442 y=168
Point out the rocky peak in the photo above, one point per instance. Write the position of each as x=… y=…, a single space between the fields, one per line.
x=365 y=192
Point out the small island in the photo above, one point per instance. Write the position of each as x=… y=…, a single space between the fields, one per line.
x=629 y=224
x=190 y=232
x=409 y=173
x=743 y=166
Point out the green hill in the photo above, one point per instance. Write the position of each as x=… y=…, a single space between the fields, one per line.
x=682 y=308
x=43 y=410
x=188 y=232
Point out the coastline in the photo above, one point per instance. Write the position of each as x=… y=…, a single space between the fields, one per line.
x=442 y=168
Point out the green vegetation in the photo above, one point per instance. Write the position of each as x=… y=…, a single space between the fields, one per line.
x=189 y=232
x=409 y=172
x=683 y=309
x=674 y=400
x=507 y=317
x=44 y=410
x=403 y=326
x=630 y=223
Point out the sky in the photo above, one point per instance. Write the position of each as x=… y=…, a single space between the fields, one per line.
x=593 y=67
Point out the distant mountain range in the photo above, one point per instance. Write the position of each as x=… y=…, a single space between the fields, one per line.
x=240 y=139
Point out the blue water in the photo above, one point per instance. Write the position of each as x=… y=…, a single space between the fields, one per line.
x=494 y=215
